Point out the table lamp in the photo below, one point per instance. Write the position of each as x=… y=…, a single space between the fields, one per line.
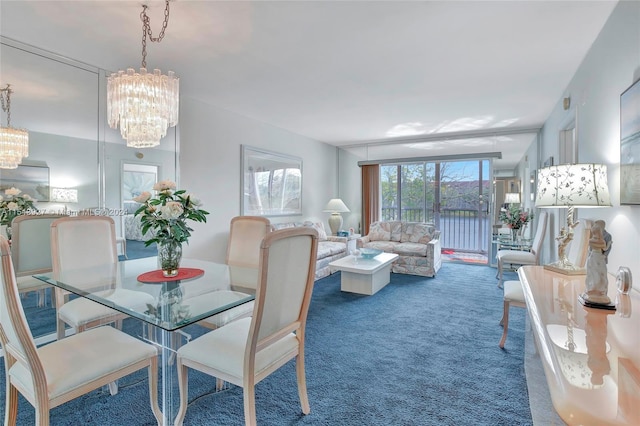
x=569 y=186
x=512 y=198
x=335 y=206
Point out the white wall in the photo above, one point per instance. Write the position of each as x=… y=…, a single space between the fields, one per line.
x=210 y=149
x=610 y=67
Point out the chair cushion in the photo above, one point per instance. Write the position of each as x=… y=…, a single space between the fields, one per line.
x=81 y=311
x=517 y=256
x=218 y=298
x=79 y=359
x=513 y=291
x=223 y=349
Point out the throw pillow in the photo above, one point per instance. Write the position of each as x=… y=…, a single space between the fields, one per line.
x=379 y=231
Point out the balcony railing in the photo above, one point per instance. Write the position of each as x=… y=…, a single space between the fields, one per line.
x=460 y=229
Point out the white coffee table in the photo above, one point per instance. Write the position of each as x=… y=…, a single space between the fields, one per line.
x=364 y=276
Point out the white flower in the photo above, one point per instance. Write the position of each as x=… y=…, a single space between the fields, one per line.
x=27 y=197
x=164 y=185
x=143 y=197
x=193 y=199
x=13 y=206
x=172 y=210
x=12 y=191
x=1 y=198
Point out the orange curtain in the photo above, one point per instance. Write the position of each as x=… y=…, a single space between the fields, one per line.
x=370 y=196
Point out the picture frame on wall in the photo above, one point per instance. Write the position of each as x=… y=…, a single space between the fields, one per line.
x=32 y=180
x=630 y=145
x=271 y=183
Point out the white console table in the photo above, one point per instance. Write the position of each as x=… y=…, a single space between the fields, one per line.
x=590 y=357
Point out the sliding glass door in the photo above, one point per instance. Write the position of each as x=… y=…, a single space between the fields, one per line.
x=454 y=195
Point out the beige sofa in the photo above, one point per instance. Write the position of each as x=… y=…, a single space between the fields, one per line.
x=330 y=248
x=417 y=245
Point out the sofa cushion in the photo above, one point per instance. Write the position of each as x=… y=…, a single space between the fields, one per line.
x=380 y=231
x=318 y=226
x=417 y=232
x=330 y=248
x=410 y=249
x=285 y=225
x=386 y=246
x=395 y=228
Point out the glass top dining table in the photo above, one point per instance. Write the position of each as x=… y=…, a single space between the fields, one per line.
x=164 y=307
x=172 y=305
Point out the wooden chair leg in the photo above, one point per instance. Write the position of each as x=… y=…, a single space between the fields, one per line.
x=153 y=391
x=499 y=273
x=505 y=323
x=249 y=393
x=11 y=397
x=183 y=386
x=302 y=384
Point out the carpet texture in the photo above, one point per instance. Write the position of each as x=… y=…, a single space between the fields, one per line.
x=422 y=351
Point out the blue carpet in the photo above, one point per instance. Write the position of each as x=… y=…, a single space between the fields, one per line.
x=421 y=351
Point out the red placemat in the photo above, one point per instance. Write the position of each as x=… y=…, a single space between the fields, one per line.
x=156 y=277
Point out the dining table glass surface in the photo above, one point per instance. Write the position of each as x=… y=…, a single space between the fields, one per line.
x=177 y=303
x=165 y=307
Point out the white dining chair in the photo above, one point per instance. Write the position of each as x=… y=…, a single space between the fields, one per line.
x=58 y=372
x=513 y=292
x=520 y=257
x=81 y=243
x=31 y=252
x=248 y=350
x=243 y=257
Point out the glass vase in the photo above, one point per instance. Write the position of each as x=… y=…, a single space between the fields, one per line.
x=515 y=233
x=169 y=257
x=8 y=231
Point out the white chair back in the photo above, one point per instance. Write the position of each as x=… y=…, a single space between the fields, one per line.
x=287 y=266
x=15 y=334
x=536 y=245
x=31 y=243
x=245 y=235
x=243 y=250
x=83 y=242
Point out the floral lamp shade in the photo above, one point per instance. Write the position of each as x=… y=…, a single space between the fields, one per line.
x=512 y=198
x=569 y=186
x=64 y=195
x=573 y=185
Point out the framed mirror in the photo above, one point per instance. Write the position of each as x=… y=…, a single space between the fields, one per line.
x=271 y=183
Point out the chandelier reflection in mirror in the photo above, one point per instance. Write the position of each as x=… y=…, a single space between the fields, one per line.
x=14 y=143
x=143 y=104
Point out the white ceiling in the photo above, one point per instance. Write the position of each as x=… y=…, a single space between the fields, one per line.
x=345 y=72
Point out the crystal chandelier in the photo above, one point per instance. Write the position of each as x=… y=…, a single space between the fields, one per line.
x=14 y=143
x=144 y=104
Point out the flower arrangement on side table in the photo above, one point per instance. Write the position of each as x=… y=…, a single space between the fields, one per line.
x=515 y=218
x=12 y=205
x=166 y=215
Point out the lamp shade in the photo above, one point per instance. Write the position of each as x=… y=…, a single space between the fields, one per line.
x=64 y=195
x=336 y=205
x=573 y=185
x=512 y=198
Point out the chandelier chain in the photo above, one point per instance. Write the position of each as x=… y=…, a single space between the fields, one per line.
x=6 y=106
x=146 y=30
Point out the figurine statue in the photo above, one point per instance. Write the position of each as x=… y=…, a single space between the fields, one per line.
x=597 y=282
